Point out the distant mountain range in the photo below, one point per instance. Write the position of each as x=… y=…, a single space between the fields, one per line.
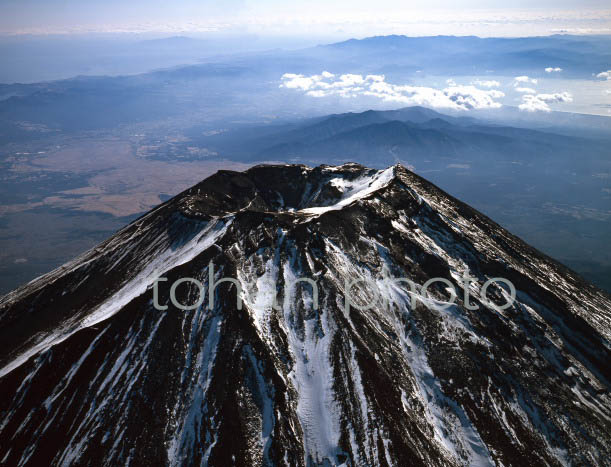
x=579 y=56
x=223 y=81
x=412 y=134
x=53 y=57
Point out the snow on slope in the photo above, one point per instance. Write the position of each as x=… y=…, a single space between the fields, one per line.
x=158 y=265
x=353 y=190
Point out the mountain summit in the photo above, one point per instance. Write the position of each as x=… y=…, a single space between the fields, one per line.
x=320 y=348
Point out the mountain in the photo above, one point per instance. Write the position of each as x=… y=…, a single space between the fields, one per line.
x=381 y=143
x=95 y=372
x=52 y=57
x=413 y=134
x=262 y=142
x=119 y=82
x=579 y=56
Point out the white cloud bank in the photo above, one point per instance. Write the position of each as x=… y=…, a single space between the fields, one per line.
x=605 y=75
x=526 y=90
x=339 y=19
x=454 y=96
x=486 y=83
x=553 y=70
x=539 y=102
x=523 y=79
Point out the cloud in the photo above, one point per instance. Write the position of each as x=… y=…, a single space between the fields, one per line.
x=605 y=74
x=486 y=83
x=453 y=96
x=526 y=90
x=539 y=102
x=293 y=81
x=450 y=82
x=523 y=79
x=553 y=70
x=341 y=19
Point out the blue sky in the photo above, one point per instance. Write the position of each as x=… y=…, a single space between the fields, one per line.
x=302 y=17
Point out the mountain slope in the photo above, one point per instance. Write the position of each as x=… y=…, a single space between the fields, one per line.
x=94 y=374
x=470 y=54
x=413 y=134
